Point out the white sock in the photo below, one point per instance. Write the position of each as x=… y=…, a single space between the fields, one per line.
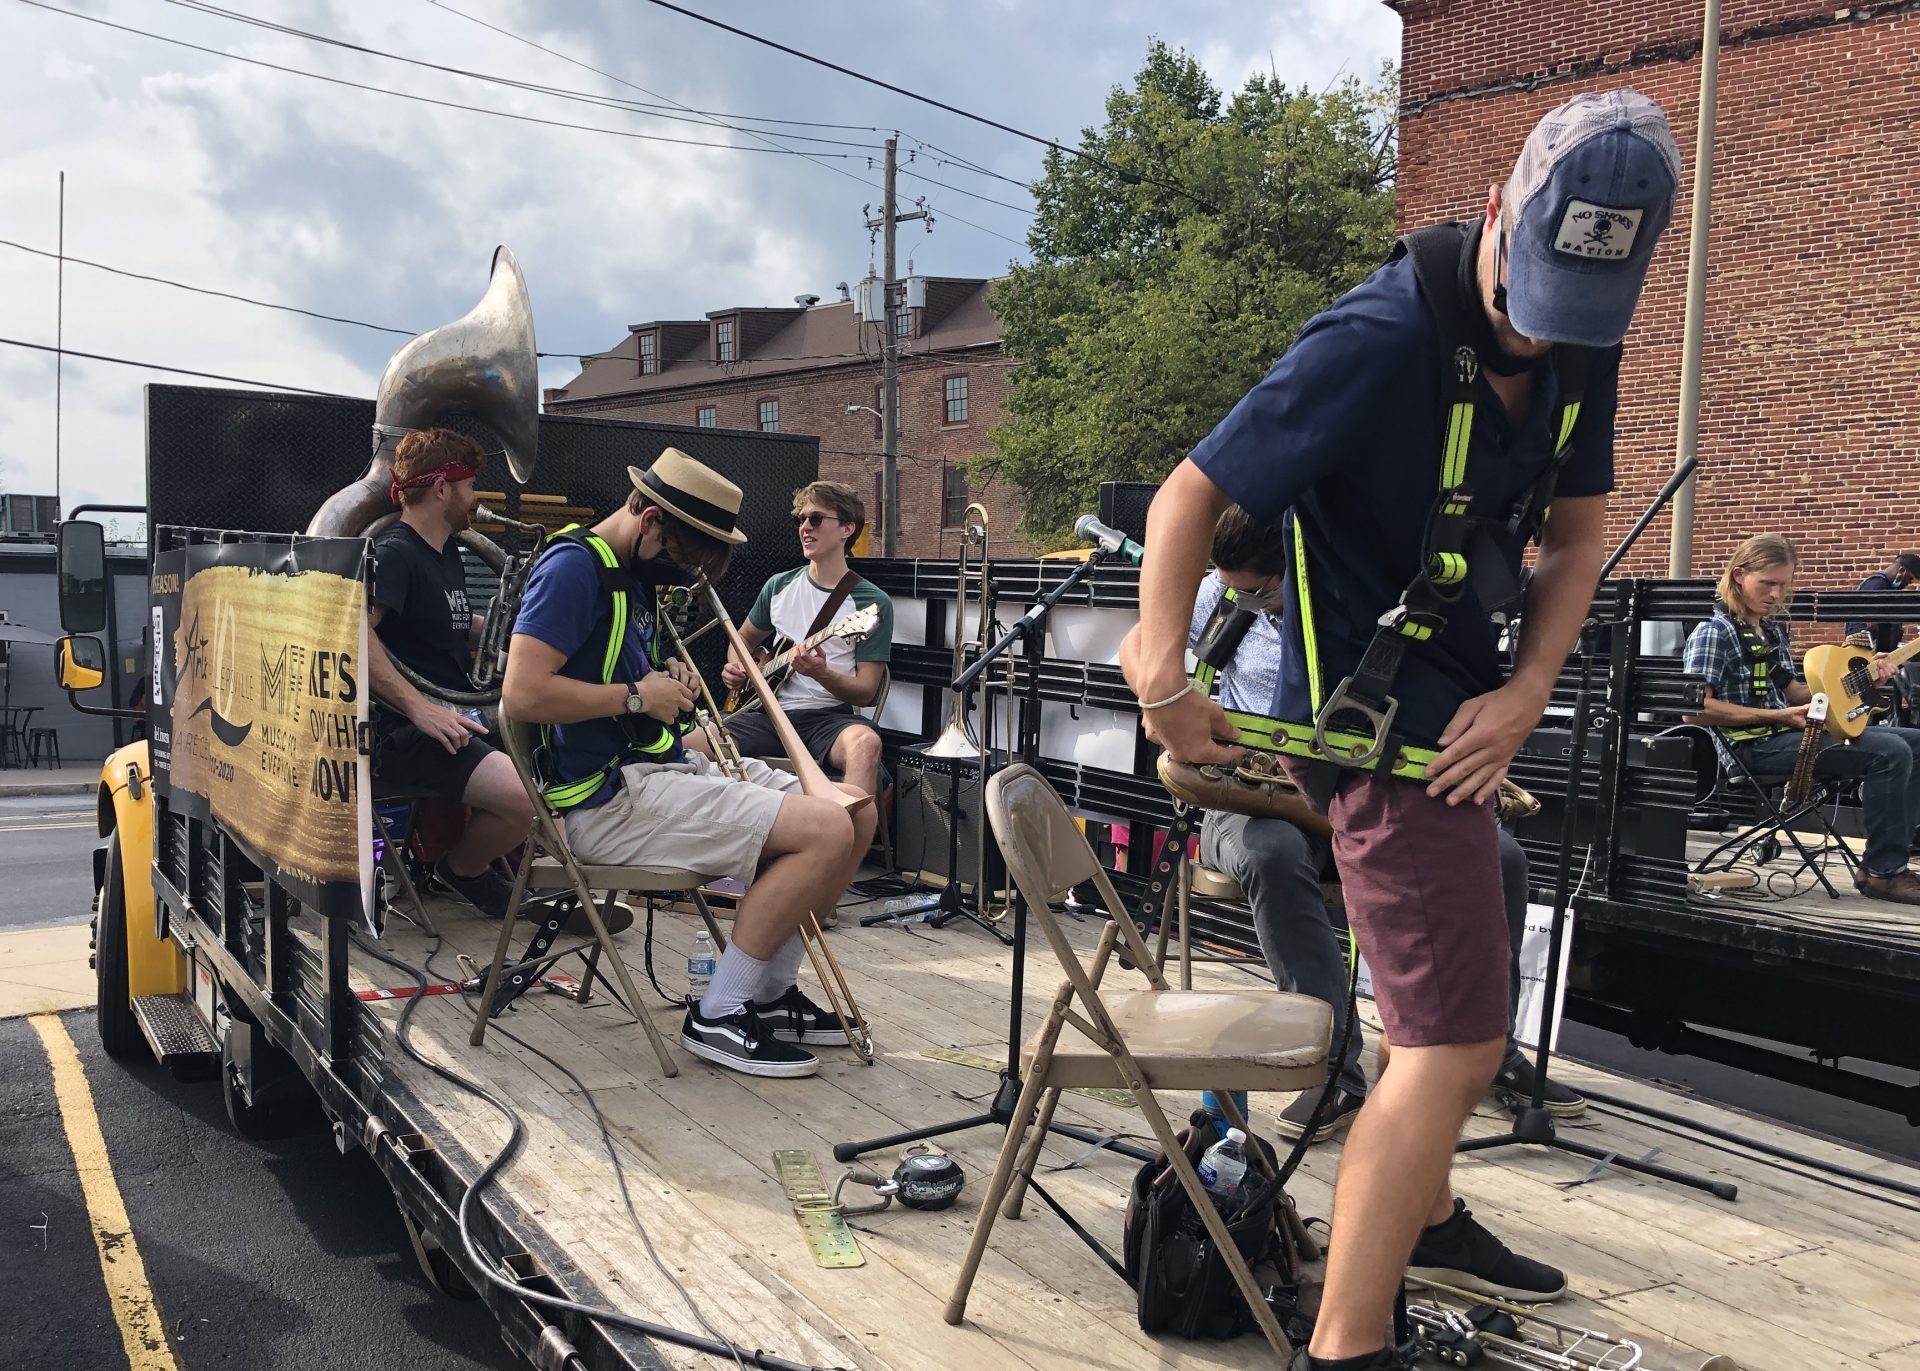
x=735 y=981
x=783 y=969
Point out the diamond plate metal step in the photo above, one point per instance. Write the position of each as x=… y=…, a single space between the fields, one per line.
x=178 y=1035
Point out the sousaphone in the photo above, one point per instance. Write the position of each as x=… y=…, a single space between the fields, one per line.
x=482 y=365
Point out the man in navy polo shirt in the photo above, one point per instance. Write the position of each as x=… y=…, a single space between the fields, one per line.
x=1345 y=435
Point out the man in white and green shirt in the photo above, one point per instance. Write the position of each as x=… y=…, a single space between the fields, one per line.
x=829 y=682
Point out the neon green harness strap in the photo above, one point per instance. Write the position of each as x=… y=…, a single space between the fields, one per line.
x=567 y=794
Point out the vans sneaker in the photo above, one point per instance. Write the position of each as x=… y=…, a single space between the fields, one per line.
x=793 y=1018
x=1514 y=1088
x=1338 y=1118
x=740 y=1042
x=1462 y=1254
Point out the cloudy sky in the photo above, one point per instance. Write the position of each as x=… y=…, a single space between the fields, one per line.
x=191 y=165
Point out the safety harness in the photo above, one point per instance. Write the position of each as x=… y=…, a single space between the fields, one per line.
x=649 y=738
x=1352 y=725
x=1758 y=650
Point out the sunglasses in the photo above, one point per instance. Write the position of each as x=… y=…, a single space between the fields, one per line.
x=813 y=518
x=1499 y=280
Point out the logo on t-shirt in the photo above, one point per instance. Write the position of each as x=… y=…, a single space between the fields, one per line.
x=458 y=612
x=1597 y=232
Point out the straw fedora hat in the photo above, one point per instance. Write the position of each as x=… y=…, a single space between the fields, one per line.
x=697 y=495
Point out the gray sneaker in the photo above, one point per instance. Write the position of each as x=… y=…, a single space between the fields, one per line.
x=1337 y=1118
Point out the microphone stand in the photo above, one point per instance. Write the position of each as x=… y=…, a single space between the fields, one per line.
x=1031 y=633
x=1532 y=1121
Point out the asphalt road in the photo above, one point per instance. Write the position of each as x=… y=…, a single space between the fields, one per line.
x=45 y=847
x=282 y=1256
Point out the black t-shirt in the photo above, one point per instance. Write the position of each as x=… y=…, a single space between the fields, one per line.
x=424 y=594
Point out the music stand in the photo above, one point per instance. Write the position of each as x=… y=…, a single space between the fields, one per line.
x=1031 y=632
x=1532 y=1122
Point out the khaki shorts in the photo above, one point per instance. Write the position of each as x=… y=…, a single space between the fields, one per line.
x=686 y=815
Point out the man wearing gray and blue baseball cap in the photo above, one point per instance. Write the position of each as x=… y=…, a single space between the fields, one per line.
x=1413 y=439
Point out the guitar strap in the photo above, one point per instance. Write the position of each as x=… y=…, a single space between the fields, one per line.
x=836 y=598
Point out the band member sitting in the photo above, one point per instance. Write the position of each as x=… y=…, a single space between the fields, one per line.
x=632 y=796
x=831 y=681
x=1280 y=865
x=421 y=617
x=1757 y=701
x=1899 y=574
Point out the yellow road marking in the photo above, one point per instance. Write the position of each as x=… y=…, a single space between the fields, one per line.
x=142 y=1331
x=37 y=828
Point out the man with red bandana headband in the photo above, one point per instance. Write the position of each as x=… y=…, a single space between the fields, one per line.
x=421 y=617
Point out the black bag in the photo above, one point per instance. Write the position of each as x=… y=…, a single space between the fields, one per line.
x=1181 y=1282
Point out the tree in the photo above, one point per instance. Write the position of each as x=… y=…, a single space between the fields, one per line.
x=1167 y=281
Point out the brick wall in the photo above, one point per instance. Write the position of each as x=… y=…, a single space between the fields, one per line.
x=1810 y=411
x=816 y=402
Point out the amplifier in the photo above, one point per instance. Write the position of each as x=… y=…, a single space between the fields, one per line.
x=1123 y=505
x=923 y=799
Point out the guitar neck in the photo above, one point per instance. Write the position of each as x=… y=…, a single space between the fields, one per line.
x=778 y=663
x=1904 y=651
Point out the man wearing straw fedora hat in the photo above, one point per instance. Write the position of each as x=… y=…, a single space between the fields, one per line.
x=612 y=761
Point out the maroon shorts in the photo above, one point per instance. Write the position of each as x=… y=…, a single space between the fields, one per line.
x=1422 y=885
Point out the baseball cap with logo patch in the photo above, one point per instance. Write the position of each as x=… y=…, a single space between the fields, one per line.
x=1588 y=200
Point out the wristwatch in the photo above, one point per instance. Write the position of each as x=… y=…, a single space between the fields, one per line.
x=635 y=705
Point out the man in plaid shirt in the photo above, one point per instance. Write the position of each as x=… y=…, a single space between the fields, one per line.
x=1756 y=701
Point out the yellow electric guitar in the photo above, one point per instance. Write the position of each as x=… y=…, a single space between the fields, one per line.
x=1844 y=674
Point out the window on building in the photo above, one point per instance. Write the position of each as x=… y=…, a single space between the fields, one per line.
x=649 y=354
x=723 y=341
x=707 y=417
x=769 y=416
x=956 y=399
x=953 y=505
x=903 y=324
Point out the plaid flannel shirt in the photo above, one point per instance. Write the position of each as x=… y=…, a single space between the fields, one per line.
x=1714 y=654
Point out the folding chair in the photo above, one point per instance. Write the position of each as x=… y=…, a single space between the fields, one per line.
x=393 y=854
x=547 y=863
x=1139 y=1040
x=1776 y=820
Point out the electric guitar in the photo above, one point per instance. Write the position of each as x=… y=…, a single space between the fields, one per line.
x=852 y=628
x=1844 y=674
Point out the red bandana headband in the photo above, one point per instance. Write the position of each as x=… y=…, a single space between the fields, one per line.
x=450 y=471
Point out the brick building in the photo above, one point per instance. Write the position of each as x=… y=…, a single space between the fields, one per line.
x=796 y=369
x=1810 y=384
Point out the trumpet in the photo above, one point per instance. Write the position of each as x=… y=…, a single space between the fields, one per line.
x=726 y=753
x=1516 y=1335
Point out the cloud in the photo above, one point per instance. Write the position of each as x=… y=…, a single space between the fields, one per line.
x=190 y=166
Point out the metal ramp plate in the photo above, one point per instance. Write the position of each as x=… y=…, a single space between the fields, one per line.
x=825 y=1231
x=177 y=1033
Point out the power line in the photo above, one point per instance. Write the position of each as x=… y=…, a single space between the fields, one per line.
x=765 y=138
x=1130 y=177
x=425 y=99
x=557 y=92
x=177 y=371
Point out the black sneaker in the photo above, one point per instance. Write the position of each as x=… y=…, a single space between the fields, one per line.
x=1462 y=1254
x=740 y=1042
x=1514 y=1087
x=1338 y=1117
x=486 y=892
x=793 y=1018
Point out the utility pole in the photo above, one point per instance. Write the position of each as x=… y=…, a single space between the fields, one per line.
x=60 y=357
x=890 y=364
x=1687 y=440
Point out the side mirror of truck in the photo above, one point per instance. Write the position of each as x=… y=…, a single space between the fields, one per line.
x=83 y=576
x=80 y=664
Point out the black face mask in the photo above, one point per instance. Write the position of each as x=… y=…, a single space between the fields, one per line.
x=659 y=572
x=1479 y=328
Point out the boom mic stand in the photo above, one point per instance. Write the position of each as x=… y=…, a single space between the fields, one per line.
x=1532 y=1122
x=1031 y=633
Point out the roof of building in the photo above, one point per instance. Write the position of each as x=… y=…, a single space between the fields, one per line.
x=825 y=335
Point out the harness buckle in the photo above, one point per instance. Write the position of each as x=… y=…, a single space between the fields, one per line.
x=1418 y=624
x=1379 y=720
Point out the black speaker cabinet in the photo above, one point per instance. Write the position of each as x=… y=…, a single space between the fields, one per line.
x=922 y=802
x=1123 y=505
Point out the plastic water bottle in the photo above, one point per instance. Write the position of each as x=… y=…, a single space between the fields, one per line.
x=700 y=963
x=1224 y=1166
x=1211 y=1103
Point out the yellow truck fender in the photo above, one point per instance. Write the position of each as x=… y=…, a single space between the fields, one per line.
x=155 y=965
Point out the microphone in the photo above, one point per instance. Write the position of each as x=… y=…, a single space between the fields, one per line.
x=1110 y=540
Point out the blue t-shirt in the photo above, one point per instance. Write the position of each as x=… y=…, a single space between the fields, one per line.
x=565 y=607
x=1345 y=431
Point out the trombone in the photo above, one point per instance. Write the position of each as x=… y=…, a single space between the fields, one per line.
x=720 y=741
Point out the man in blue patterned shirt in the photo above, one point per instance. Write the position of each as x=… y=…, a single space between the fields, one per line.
x=1757 y=705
